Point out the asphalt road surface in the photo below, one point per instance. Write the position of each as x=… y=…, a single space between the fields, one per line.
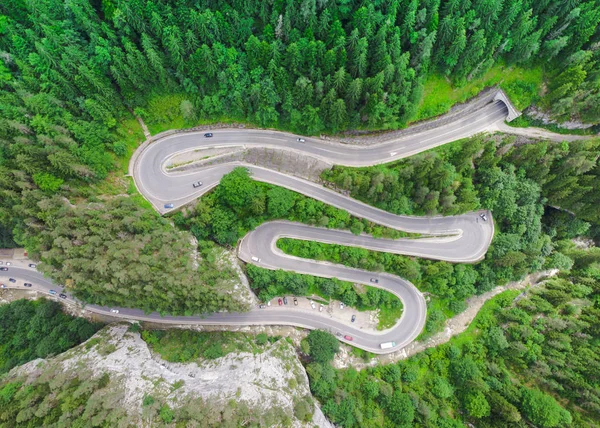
x=463 y=238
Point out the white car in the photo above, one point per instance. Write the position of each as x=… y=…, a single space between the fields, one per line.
x=269 y=303
x=320 y=308
x=300 y=140
x=341 y=305
x=313 y=304
x=255 y=259
x=8 y=263
x=114 y=311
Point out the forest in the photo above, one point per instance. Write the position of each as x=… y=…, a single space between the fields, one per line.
x=527 y=359
x=72 y=73
x=38 y=329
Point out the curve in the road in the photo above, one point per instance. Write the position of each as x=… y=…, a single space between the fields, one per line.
x=462 y=238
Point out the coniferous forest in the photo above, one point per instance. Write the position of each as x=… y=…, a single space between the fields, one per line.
x=76 y=75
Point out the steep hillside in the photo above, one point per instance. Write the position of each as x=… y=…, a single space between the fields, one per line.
x=114 y=379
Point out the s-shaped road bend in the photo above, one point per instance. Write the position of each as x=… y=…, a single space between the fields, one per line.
x=462 y=239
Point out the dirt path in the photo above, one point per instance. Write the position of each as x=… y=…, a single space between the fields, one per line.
x=454 y=326
x=532 y=132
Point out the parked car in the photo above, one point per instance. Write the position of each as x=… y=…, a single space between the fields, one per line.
x=295 y=302
x=197 y=184
x=32 y=265
x=348 y=337
x=300 y=140
x=62 y=295
x=269 y=303
x=8 y=263
x=375 y=280
x=285 y=300
x=353 y=318
x=2 y=285
x=169 y=205
x=27 y=284
x=341 y=305
x=114 y=311
x=320 y=308
x=261 y=306
x=208 y=135
x=312 y=304
x=3 y=269
x=483 y=216
x=53 y=292
x=338 y=334
x=280 y=301
x=12 y=280
x=255 y=259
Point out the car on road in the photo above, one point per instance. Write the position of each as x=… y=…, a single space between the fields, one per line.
x=169 y=205
x=375 y=280
x=8 y=263
x=208 y=135
x=255 y=259
x=338 y=334
x=12 y=280
x=320 y=308
x=32 y=265
x=483 y=216
x=197 y=184
x=27 y=284
x=353 y=318
x=312 y=304
x=53 y=292
x=114 y=311
x=301 y=140
x=285 y=300
x=348 y=337
x=295 y=302
x=280 y=301
x=341 y=305
x=4 y=269
x=62 y=295
x=261 y=306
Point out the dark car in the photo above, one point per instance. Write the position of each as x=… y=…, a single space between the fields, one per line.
x=32 y=265
x=3 y=269
x=285 y=300
x=375 y=280
x=12 y=280
x=197 y=184
x=208 y=135
x=27 y=284
x=62 y=295
x=280 y=301
x=52 y=292
x=348 y=337
x=295 y=301
x=261 y=306
x=169 y=205
x=353 y=318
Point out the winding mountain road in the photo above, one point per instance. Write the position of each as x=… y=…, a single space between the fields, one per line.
x=463 y=238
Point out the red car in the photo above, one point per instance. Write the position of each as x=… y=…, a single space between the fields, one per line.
x=348 y=337
x=280 y=302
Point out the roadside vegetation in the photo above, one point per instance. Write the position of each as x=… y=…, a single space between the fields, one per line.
x=183 y=346
x=526 y=359
x=268 y=284
x=38 y=329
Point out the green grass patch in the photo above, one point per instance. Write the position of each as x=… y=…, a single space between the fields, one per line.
x=522 y=85
x=181 y=346
x=524 y=121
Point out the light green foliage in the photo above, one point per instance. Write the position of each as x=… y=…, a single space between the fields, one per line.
x=521 y=361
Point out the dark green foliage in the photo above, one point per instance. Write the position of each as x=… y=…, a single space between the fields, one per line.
x=322 y=346
x=530 y=360
x=38 y=329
